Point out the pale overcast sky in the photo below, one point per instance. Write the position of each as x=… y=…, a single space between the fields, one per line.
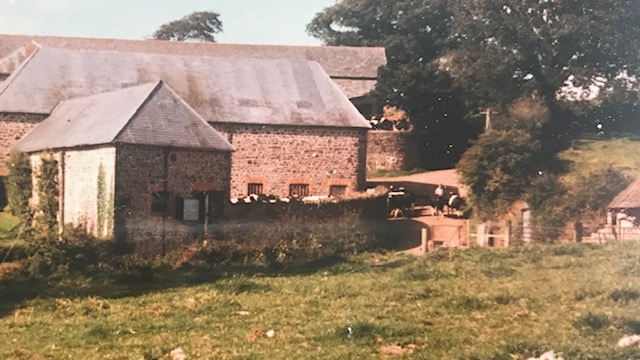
x=244 y=21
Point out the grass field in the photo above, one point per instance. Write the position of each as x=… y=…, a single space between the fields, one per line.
x=587 y=156
x=575 y=299
x=6 y=223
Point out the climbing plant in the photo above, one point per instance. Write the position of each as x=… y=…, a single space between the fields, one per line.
x=19 y=189
x=105 y=205
x=48 y=194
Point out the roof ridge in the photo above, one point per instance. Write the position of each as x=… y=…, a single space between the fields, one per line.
x=197 y=43
x=159 y=84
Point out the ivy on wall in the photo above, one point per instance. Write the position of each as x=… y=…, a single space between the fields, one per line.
x=19 y=190
x=105 y=205
x=48 y=195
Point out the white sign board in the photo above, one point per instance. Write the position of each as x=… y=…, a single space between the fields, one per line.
x=191 y=210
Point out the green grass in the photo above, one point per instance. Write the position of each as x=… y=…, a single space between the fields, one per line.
x=586 y=156
x=575 y=299
x=7 y=222
x=392 y=173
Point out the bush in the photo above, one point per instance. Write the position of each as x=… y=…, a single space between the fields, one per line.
x=291 y=240
x=74 y=251
x=19 y=190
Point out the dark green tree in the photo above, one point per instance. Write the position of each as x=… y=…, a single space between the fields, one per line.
x=517 y=47
x=200 y=25
x=19 y=190
x=415 y=33
x=488 y=53
x=48 y=194
x=498 y=170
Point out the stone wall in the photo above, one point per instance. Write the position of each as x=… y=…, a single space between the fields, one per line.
x=143 y=171
x=277 y=156
x=78 y=172
x=391 y=150
x=12 y=127
x=82 y=191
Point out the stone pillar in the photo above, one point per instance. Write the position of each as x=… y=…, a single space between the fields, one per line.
x=526 y=226
x=482 y=234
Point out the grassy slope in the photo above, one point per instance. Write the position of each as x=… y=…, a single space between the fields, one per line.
x=590 y=155
x=476 y=304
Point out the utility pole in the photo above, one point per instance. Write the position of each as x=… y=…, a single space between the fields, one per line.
x=487 y=118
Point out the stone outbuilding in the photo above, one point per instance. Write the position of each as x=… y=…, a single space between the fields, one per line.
x=623 y=213
x=293 y=129
x=138 y=164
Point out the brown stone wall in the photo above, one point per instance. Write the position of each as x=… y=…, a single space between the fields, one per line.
x=391 y=150
x=142 y=170
x=12 y=128
x=277 y=156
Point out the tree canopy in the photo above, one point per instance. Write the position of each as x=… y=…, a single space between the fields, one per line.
x=200 y=25
x=450 y=58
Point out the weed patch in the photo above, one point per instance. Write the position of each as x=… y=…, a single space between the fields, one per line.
x=624 y=295
x=592 y=322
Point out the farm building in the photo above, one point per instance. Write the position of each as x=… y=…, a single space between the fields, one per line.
x=293 y=129
x=134 y=161
x=623 y=213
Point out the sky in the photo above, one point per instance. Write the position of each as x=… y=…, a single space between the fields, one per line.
x=244 y=21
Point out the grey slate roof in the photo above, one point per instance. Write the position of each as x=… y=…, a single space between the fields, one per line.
x=231 y=90
x=150 y=114
x=12 y=61
x=355 y=66
x=628 y=198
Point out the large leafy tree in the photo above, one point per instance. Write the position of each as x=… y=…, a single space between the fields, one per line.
x=488 y=54
x=415 y=33
x=200 y=25
x=507 y=49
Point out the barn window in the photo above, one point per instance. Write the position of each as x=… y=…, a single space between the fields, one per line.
x=159 y=202
x=255 y=189
x=337 y=190
x=299 y=190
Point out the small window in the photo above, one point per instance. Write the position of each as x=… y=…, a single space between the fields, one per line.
x=159 y=202
x=299 y=190
x=254 y=189
x=337 y=190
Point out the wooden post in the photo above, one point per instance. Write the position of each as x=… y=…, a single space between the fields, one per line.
x=507 y=234
x=424 y=240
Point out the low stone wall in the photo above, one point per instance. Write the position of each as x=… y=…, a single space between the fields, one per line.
x=391 y=150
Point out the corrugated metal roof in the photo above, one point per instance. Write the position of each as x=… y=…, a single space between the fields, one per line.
x=352 y=64
x=150 y=114
x=253 y=91
x=629 y=198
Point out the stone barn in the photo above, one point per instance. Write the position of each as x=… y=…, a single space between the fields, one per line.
x=623 y=214
x=137 y=163
x=353 y=69
x=294 y=131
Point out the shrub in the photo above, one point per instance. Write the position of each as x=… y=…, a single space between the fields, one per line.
x=47 y=215
x=73 y=251
x=19 y=190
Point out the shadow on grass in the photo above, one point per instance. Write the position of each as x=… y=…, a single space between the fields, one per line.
x=18 y=289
